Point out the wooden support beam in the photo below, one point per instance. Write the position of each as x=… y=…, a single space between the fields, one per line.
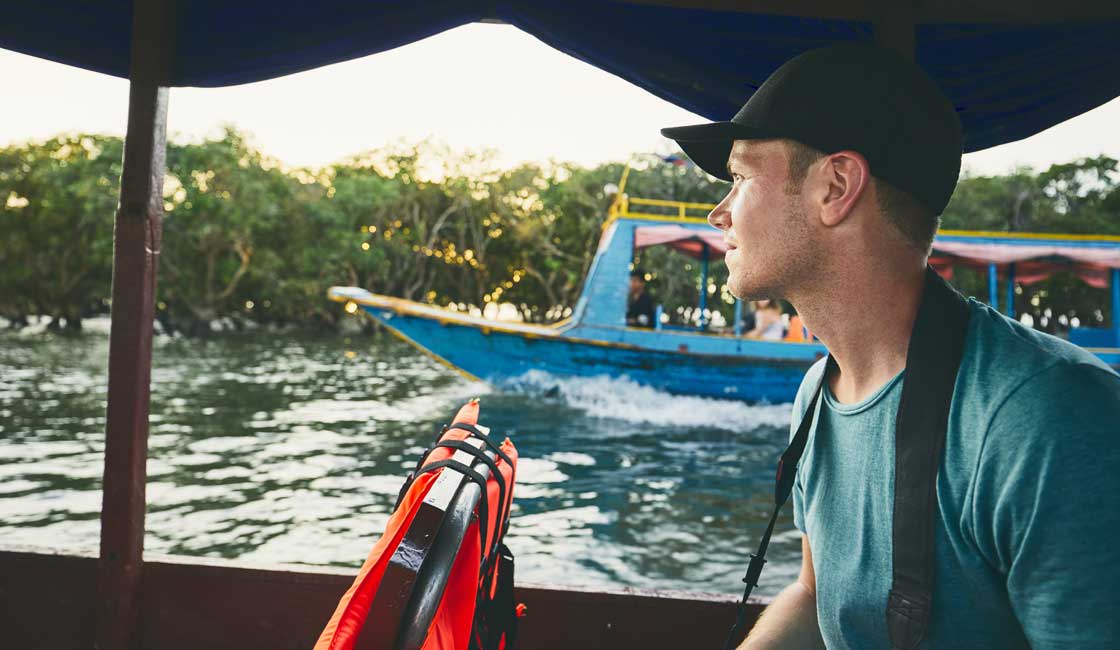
x=136 y=246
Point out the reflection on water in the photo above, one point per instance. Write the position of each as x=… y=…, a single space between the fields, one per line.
x=283 y=448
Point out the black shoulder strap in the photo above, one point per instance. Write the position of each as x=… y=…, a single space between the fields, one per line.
x=933 y=358
x=932 y=362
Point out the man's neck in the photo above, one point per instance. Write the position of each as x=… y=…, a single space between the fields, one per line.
x=865 y=320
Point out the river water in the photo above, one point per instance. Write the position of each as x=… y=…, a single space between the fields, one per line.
x=289 y=448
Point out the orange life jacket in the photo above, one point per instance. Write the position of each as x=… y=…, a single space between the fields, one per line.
x=472 y=588
x=797 y=331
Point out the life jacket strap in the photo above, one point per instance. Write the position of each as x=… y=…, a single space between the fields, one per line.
x=477 y=433
x=478 y=479
x=489 y=442
x=495 y=617
x=474 y=431
x=503 y=507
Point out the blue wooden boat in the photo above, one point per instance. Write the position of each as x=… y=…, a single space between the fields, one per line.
x=596 y=340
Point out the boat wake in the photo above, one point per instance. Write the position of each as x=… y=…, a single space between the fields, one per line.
x=620 y=398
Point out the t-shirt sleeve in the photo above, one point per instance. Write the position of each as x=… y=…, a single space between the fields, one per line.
x=1046 y=505
x=798 y=497
x=800 y=404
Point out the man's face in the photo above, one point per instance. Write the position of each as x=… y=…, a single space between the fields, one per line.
x=762 y=220
x=636 y=284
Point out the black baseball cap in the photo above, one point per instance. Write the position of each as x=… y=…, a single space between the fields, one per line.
x=857 y=97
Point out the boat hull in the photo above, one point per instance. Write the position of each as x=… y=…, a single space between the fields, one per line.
x=507 y=357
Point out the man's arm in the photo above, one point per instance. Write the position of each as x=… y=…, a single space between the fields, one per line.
x=791 y=620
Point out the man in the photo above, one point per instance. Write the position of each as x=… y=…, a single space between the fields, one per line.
x=640 y=311
x=841 y=163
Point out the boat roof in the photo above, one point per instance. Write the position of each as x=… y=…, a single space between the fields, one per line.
x=1011 y=68
x=689 y=240
x=1005 y=248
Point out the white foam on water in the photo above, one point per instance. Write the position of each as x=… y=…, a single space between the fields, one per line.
x=621 y=398
x=329 y=411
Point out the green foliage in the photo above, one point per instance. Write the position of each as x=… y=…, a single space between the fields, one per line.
x=247 y=240
x=57 y=201
x=1080 y=197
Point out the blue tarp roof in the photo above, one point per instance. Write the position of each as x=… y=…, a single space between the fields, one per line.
x=1007 y=81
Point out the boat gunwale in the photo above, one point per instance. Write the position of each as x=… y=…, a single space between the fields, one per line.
x=205 y=602
x=393 y=304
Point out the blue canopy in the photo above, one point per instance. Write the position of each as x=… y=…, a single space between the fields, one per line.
x=1008 y=81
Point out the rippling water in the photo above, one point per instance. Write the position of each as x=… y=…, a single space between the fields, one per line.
x=287 y=448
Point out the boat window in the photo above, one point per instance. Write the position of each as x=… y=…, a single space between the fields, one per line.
x=673 y=282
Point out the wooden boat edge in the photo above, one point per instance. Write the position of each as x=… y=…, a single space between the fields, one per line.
x=48 y=600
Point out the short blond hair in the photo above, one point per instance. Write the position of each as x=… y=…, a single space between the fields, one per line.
x=917 y=223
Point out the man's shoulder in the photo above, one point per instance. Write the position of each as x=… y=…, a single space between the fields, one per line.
x=1019 y=377
x=1002 y=355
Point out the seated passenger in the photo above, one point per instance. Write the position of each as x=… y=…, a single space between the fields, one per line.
x=746 y=320
x=768 y=321
x=797 y=332
x=640 y=312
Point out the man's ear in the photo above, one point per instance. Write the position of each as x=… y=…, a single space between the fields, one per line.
x=844 y=178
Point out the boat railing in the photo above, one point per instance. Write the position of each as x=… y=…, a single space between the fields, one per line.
x=627 y=206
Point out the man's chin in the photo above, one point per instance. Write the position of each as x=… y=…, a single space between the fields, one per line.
x=747 y=290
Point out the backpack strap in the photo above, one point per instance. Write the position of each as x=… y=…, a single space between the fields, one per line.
x=932 y=361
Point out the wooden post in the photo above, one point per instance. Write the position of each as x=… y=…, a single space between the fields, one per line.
x=136 y=246
x=894 y=26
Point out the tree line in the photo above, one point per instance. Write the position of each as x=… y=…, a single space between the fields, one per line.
x=248 y=240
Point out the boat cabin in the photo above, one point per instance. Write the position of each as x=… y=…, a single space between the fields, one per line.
x=1009 y=261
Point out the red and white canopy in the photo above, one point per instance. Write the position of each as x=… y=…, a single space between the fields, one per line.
x=1036 y=257
x=690 y=241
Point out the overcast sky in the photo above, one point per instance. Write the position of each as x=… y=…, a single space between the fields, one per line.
x=478 y=86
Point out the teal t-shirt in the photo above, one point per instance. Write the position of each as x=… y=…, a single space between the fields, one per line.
x=1027 y=536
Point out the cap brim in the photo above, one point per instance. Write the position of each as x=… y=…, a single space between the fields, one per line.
x=709 y=145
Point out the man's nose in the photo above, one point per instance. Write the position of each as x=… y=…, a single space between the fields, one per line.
x=720 y=216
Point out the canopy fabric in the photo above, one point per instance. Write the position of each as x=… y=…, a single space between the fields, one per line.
x=989 y=252
x=1008 y=81
x=1026 y=273
x=690 y=241
x=1034 y=259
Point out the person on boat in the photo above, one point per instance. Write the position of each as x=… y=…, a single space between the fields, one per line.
x=747 y=319
x=840 y=164
x=768 y=325
x=796 y=332
x=640 y=311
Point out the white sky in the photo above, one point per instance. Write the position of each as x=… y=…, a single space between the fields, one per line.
x=478 y=86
